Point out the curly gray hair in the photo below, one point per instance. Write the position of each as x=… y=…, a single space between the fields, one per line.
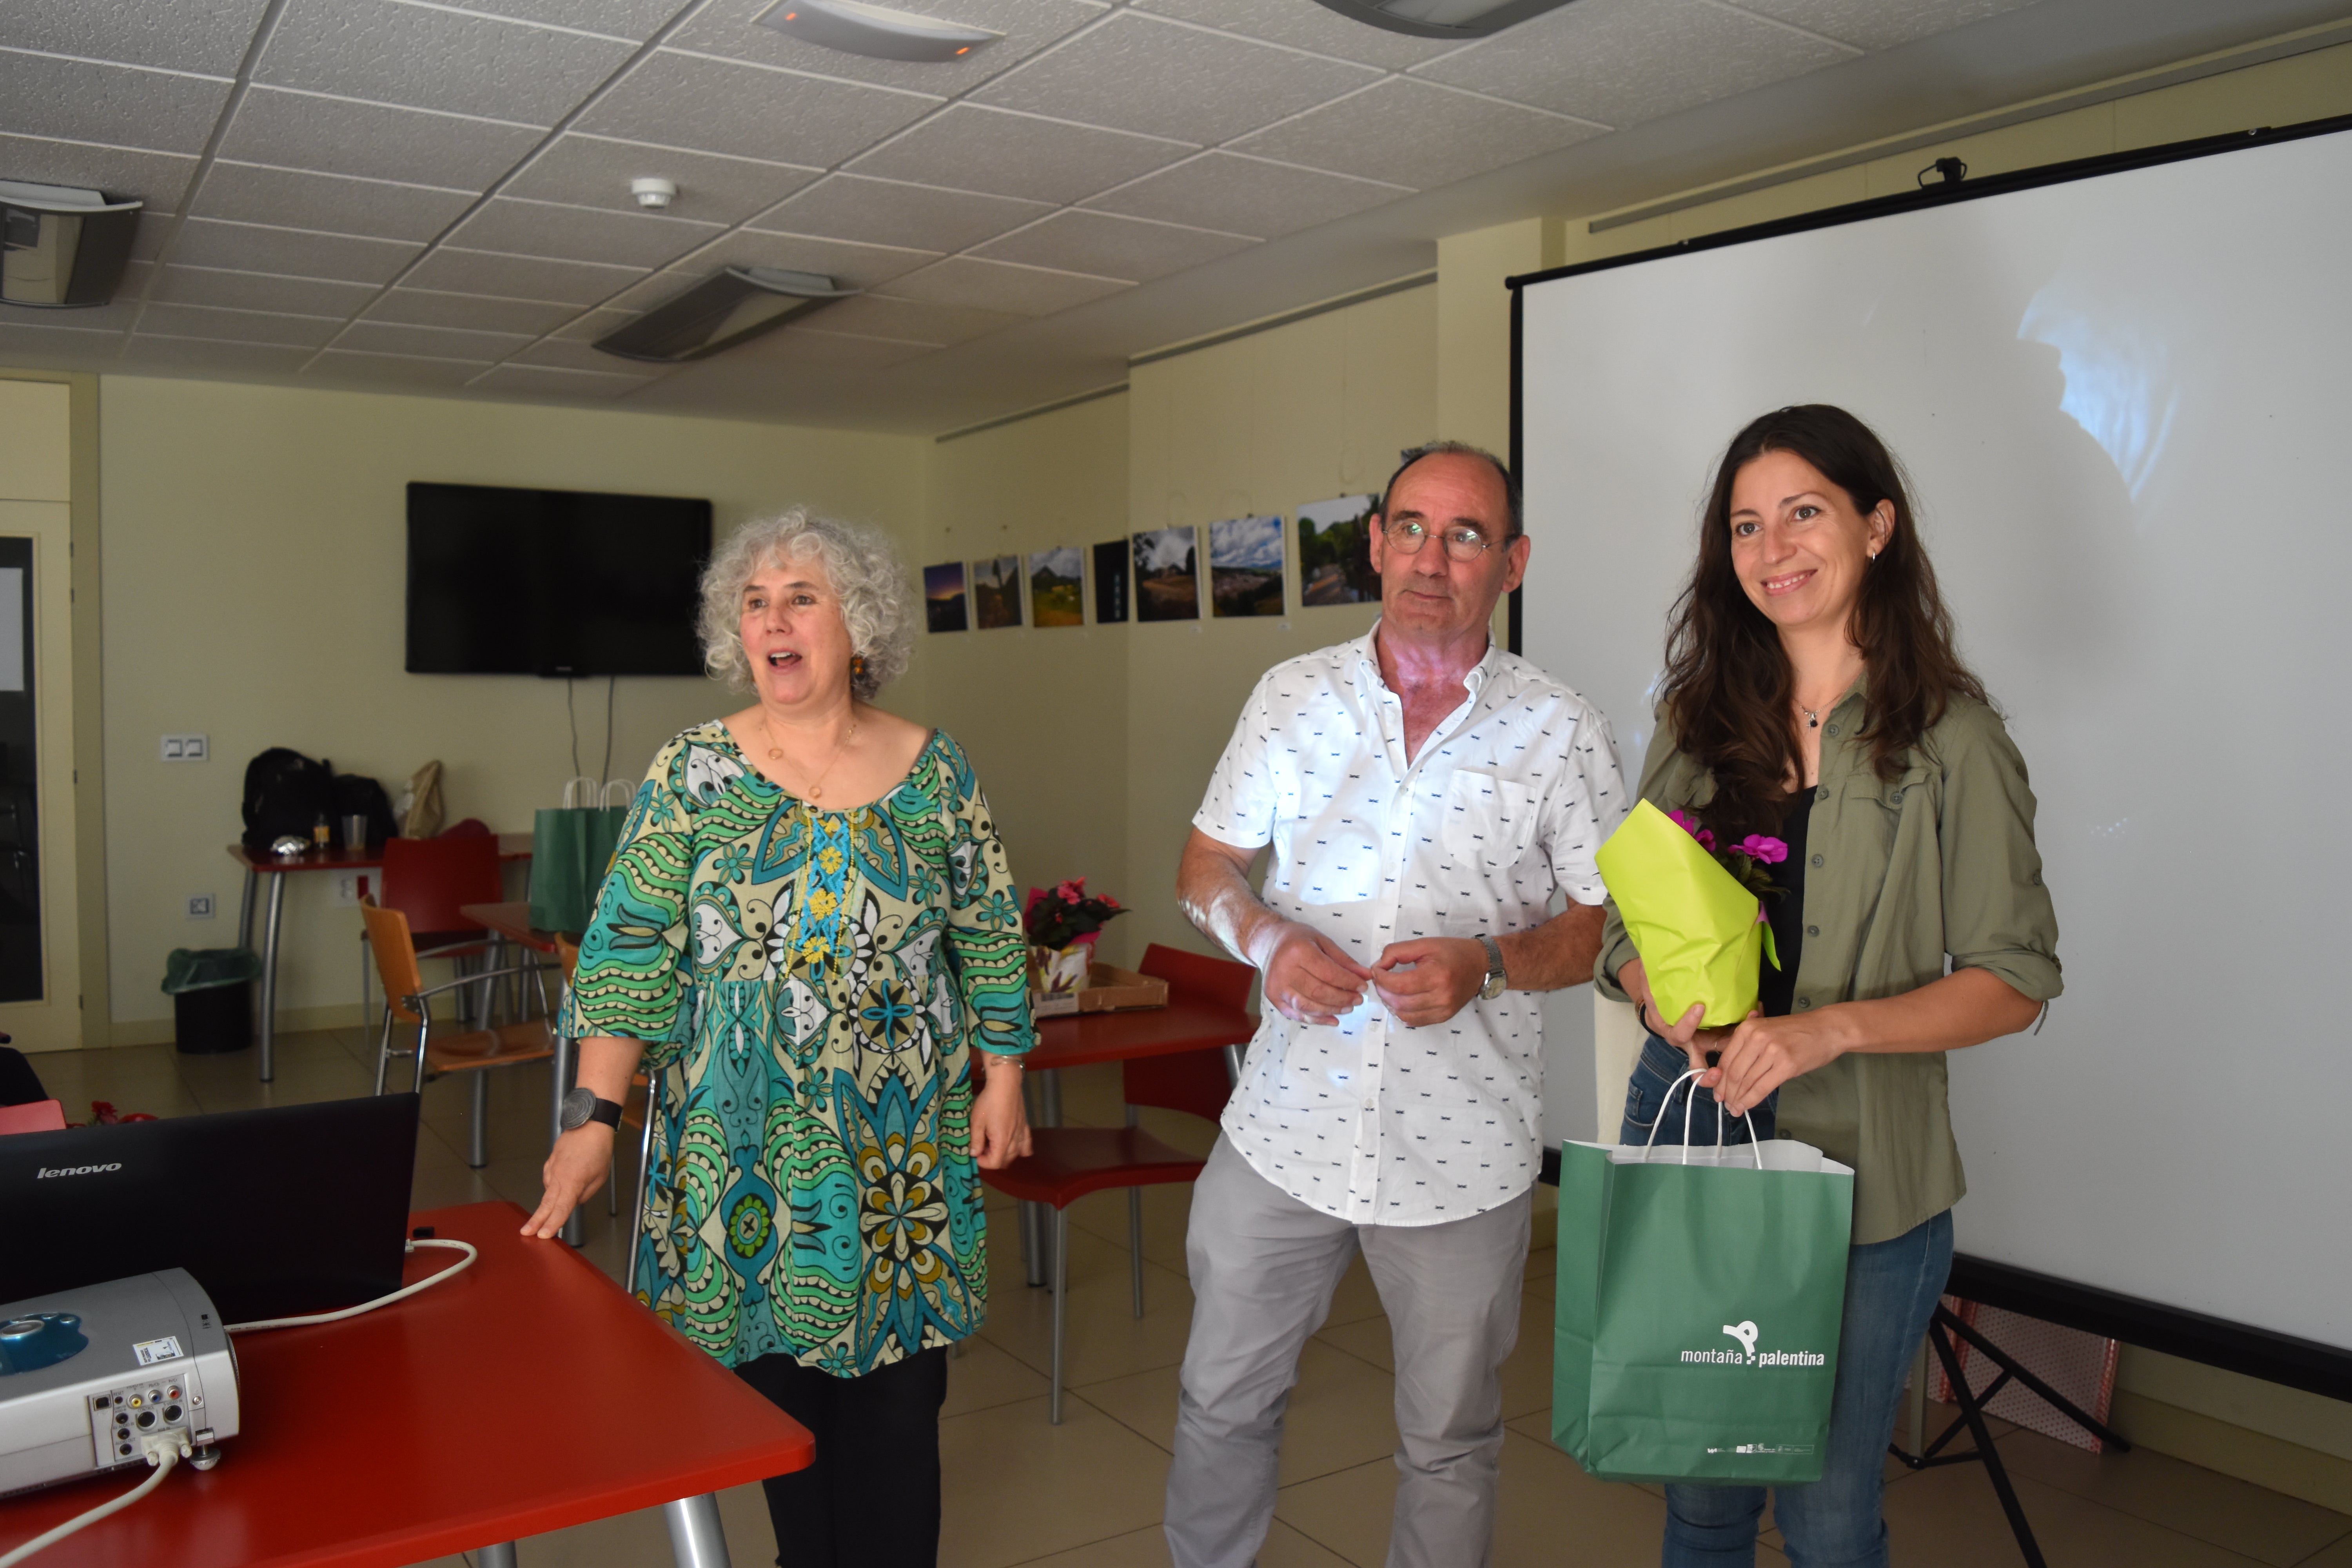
x=877 y=604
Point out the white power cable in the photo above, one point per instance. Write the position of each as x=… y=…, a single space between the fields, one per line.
x=164 y=1458
x=465 y=1263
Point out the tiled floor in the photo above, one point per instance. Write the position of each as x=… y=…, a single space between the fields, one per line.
x=1087 y=1494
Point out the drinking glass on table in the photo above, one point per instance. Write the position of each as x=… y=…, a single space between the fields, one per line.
x=356 y=832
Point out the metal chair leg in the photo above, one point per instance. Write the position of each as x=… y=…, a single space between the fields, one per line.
x=501 y=1555
x=477 y=1148
x=383 y=1050
x=1061 y=1301
x=1135 y=1244
x=696 y=1539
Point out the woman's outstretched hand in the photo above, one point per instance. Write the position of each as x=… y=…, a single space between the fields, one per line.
x=576 y=1169
x=1000 y=1121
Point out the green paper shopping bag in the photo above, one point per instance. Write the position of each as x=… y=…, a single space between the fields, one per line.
x=571 y=850
x=1700 y=1295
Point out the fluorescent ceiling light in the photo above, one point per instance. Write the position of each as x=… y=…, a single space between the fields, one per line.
x=856 y=29
x=61 y=247
x=1443 y=18
x=719 y=313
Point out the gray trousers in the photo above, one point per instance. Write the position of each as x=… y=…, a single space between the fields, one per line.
x=1264 y=1267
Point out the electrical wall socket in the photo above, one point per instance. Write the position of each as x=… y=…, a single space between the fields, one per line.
x=351 y=887
x=187 y=748
x=200 y=906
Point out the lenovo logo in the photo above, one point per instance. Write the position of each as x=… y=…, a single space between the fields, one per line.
x=44 y=1174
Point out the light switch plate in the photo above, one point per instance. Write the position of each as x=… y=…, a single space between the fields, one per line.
x=200 y=906
x=187 y=748
x=351 y=887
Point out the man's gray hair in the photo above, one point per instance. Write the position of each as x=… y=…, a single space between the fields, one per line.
x=876 y=606
x=1412 y=455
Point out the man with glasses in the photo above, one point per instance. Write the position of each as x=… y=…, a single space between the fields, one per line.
x=1424 y=794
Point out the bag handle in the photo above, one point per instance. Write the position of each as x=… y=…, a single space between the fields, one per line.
x=624 y=786
x=1690 y=1103
x=579 y=791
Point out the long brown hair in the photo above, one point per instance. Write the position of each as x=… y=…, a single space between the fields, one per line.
x=1728 y=690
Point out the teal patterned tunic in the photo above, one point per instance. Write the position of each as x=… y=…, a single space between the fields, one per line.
x=809 y=986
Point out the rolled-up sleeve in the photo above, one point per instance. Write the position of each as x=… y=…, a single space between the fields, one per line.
x=985 y=941
x=628 y=983
x=1239 y=805
x=1998 y=916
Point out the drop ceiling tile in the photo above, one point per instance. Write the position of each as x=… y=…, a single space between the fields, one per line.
x=429 y=57
x=305 y=130
x=1880 y=23
x=37 y=347
x=849 y=266
x=595 y=172
x=118 y=106
x=237 y=326
x=449 y=269
x=1162 y=79
x=911 y=321
x=1620 y=63
x=159 y=179
x=542 y=381
x=333 y=204
x=1304 y=25
x=470 y=313
x=885 y=212
x=1108 y=245
x=807 y=348
x=723 y=106
x=594 y=324
x=1453 y=135
x=571 y=353
x=117 y=315
x=300 y=253
x=207 y=35
x=637 y=20
x=969 y=148
x=261 y=292
x=397 y=370
x=726 y=28
x=580 y=234
x=154 y=228
x=1248 y=195
x=1001 y=285
x=427 y=343
x=205 y=356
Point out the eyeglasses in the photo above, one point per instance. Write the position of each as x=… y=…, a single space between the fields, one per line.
x=1463 y=543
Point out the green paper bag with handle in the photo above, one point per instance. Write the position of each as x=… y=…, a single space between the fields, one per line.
x=571 y=850
x=1699 y=1299
x=1693 y=923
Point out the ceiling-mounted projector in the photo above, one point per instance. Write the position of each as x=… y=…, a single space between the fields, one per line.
x=719 y=313
x=61 y=247
x=879 y=34
x=1443 y=18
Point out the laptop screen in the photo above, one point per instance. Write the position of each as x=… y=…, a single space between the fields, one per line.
x=299 y=1208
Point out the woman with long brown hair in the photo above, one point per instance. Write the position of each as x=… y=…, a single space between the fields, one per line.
x=1812 y=693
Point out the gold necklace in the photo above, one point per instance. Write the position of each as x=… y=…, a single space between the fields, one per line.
x=815 y=789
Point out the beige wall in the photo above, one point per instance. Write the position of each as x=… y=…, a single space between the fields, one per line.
x=254 y=563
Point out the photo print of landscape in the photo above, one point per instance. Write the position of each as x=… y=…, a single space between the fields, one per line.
x=996 y=592
x=1167 y=579
x=944 y=604
x=1245 y=566
x=1058 y=586
x=1335 y=561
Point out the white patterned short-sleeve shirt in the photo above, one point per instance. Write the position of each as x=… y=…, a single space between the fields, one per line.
x=1371 y=1120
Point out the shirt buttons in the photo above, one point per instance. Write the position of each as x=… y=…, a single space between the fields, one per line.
x=1817 y=860
x=1803 y=1002
x=1833 y=729
x=1812 y=931
x=1823 y=793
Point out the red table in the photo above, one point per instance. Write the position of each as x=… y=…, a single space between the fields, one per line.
x=258 y=863
x=525 y=1396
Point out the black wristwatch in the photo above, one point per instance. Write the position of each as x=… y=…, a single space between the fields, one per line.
x=582 y=1105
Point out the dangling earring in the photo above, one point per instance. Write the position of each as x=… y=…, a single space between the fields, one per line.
x=857 y=666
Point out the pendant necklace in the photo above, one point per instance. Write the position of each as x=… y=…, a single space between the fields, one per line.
x=1812 y=719
x=815 y=789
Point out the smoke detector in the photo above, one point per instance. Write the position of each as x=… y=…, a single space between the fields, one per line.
x=1441 y=18
x=878 y=33
x=653 y=194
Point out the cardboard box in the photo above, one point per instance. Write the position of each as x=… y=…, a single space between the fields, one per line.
x=1108 y=990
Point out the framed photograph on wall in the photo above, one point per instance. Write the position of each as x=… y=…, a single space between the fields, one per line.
x=1110 y=583
x=1166 y=575
x=1335 y=561
x=1245 y=566
x=996 y=592
x=943 y=600
x=1057 y=587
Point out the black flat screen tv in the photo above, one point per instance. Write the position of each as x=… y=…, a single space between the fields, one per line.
x=552 y=583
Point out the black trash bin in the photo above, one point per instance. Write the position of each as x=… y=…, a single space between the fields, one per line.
x=212 y=997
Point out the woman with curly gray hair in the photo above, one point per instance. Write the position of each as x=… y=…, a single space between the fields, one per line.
x=809 y=939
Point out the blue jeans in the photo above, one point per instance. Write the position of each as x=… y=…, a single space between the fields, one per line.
x=1890 y=1289
x=1645 y=1100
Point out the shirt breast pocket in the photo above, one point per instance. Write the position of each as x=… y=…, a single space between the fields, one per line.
x=1489 y=821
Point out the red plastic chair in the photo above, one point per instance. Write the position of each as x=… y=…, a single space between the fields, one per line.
x=428 y=880
x=1065 y=1163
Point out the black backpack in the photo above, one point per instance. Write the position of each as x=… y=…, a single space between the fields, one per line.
x=286 y=793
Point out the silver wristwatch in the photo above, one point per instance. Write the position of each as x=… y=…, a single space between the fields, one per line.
x=1494 y=986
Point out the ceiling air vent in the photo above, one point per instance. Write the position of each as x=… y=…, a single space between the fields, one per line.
x=879 y=34
x=59 y=247
x=1443 y=18
x=719 y=313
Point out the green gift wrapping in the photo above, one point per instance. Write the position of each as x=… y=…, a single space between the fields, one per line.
x=1693 y=923
x=571 y=850
x=1698 y=1309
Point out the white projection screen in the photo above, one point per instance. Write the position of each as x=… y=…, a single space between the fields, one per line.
x=2125 y=399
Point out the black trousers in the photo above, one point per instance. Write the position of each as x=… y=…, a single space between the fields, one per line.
x=872 y=1497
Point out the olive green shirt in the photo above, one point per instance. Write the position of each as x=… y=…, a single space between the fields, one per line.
x=1899 y=874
